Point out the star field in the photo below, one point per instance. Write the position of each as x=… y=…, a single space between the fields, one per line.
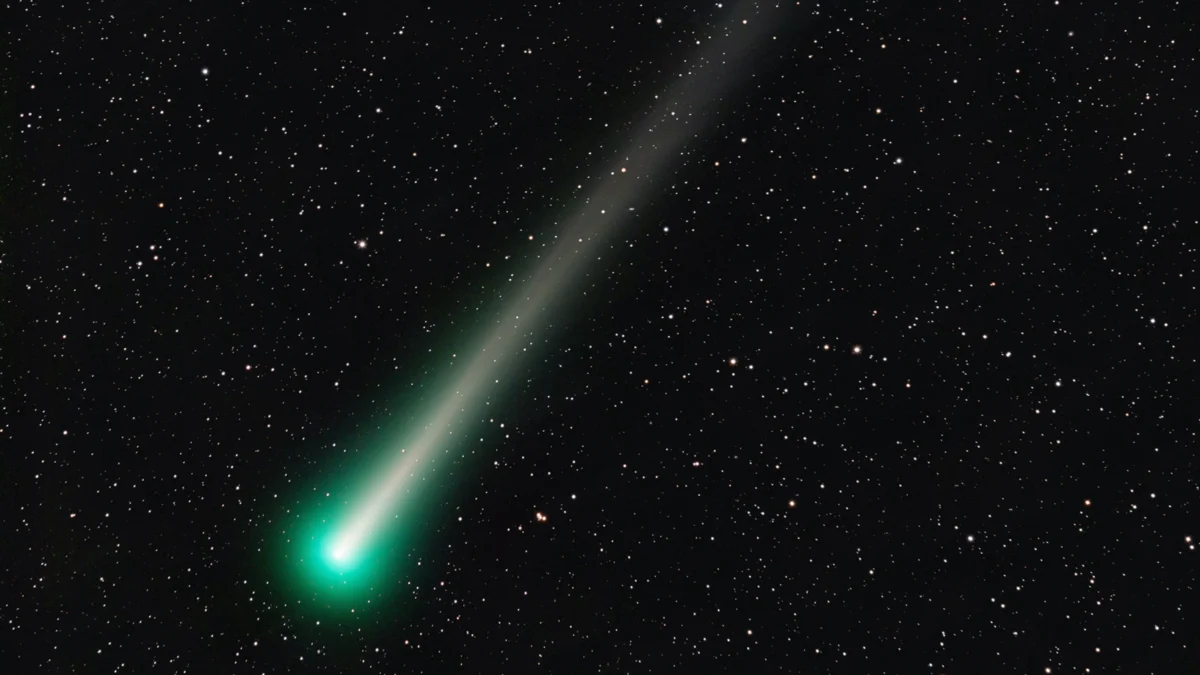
x=882 y=369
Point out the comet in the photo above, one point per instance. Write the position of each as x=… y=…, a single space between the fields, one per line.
x=676 y=121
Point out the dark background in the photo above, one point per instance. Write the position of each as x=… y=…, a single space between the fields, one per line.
x=992 y=201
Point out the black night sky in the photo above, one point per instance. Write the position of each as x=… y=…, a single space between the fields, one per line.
x=886 y=373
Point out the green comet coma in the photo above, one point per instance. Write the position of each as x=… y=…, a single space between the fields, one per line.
x=347 y=581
